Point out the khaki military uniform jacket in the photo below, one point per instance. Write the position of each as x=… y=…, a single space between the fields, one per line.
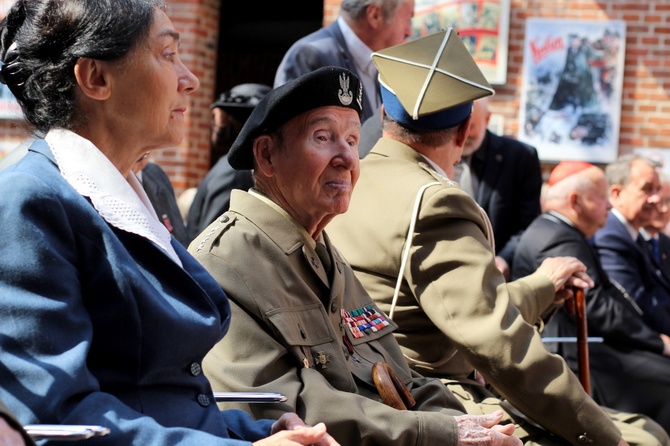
x=454 y=311
x=288 y=334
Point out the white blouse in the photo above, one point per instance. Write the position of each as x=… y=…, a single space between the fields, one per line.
x=121 y=201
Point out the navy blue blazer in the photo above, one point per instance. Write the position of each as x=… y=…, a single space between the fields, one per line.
x=324 y=47
x=510 y=184
x=626 y=263
x=100 y=326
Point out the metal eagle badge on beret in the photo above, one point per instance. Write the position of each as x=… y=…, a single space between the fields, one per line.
x=431 y=74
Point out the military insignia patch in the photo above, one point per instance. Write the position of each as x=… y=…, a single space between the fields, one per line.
x=366 y=320
x=344 y=93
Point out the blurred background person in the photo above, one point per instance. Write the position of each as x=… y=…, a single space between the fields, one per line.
x=653 y=239
x=158 y=188
x=362 y=27
x=505 y=179
x=630 y=369
x=634 y=191
x=212 y=197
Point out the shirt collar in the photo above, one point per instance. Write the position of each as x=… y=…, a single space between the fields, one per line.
x=358 y=50
x=436 y=168
x=561 y=217
x=121 y=201
x=646 y=235
x=310 y=241
x=631 y=230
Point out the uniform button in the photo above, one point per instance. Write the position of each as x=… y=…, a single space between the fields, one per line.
x=333 y=307
x=195 y=369
x=203 y=400
x=584 y=439
x=224 y=219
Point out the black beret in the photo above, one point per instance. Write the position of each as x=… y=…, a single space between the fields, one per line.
x=323 y=87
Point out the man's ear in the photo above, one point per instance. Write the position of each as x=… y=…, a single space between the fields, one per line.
x=573 y=198
x=264 y=154
x=615 y=190
x=374 y=15
x=462 y=133
x=92 y=78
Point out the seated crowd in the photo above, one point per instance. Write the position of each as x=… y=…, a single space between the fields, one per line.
x=368 y=292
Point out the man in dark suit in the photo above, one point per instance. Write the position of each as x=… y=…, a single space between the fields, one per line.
x=363 y=26
x=634 y=194
x=630 y=369
x=506 y=181
x=653 y=239
x=160 y=192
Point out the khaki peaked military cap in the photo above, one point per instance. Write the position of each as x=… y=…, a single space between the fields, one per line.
x=430 y=83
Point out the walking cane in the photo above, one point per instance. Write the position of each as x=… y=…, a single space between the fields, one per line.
x=577 y=307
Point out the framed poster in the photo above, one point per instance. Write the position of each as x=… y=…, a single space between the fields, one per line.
x=483 y=25
x=571 y=93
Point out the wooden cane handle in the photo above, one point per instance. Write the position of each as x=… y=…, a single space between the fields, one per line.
x=391 y=388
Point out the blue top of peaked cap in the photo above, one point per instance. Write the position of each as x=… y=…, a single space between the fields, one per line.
x=430 y=83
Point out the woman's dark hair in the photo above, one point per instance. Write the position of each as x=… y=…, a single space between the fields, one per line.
x=41 y=41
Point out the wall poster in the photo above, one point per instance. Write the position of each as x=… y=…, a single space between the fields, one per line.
x=572 y=83
x=483 y=25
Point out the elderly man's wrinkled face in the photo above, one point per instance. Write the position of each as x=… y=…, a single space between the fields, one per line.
x=662 y=213
x=318 y=163
x=478 y=124
x=638 y=199
x=594 y=203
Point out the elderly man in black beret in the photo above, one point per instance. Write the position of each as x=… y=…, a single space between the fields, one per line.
x=302 y=324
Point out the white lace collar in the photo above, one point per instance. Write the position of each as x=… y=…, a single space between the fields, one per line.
x=121 y=201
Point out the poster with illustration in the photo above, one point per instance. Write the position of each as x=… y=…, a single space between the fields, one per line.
x=571 y=94
x=483 y=25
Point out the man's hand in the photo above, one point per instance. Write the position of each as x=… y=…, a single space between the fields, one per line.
x=483 y=430
x=502 y=265
x=290 y=430
x=666 y=344
x=565 y=273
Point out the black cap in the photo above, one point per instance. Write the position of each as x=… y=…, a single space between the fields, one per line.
x=242 y=96
x=241 y=99
x=326 y=86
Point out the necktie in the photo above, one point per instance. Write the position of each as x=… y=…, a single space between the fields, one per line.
x=322 y=252
x=655 y=250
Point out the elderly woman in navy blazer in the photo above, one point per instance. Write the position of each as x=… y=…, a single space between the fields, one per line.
x=105 y=317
